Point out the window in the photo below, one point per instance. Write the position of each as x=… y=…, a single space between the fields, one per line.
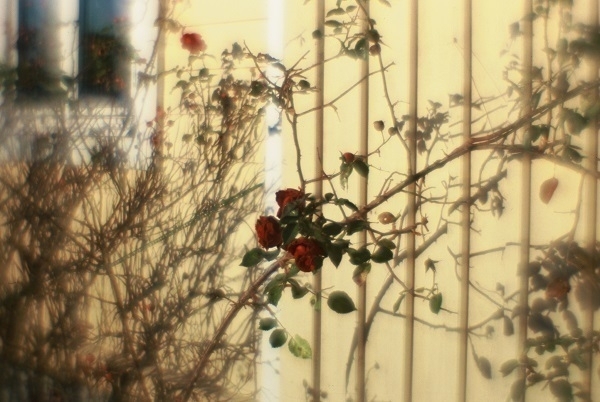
x=104 y=50
x=38 y=67
x=102 y=55
x=80 y=51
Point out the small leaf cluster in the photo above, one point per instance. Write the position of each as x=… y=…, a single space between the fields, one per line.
x=297 y=345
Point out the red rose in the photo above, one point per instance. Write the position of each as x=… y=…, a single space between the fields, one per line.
x=268 y=231
x=307 y=253
x=193 y=42
x=284 y=197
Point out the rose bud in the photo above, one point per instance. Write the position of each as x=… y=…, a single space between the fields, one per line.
x=348 y=157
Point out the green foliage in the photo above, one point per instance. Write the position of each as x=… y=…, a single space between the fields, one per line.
x=382 y=254
x=359 y=256
x=340 y=302
x=300 y=347
x=298 y=291
x=274 y=289
x=278 y=338
x=361 y=167
x=252 y=257
x=552 y=130
x=267 y=324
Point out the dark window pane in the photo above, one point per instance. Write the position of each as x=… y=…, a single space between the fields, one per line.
x=37 y=48
x=104 y=52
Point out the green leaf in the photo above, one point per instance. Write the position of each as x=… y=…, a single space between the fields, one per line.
x=387 y=243
x=252 y=257
x=267 y=324
x=382 y=254
x=290 y=211
x=274 y=289
x=356 y=226
x=278 y=280
x=435 y=303
x=289 y=232
x=485 y=367
x=340 y=302
x=274 y=295
x=509 y=366
x=335 y=252
x=345 y=172
x=359 y=256
x=300 y=347
x=298 y=291
x=361 y=167
x=332 y=229
x=360 y=273
x=362 y=50
x=303 y=85
x=350 y=205
x=278 y=338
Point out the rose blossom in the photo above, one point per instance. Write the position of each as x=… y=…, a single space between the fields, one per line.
x=268 y=231
x=193 y=42
x=307 y=253
x=284 y=197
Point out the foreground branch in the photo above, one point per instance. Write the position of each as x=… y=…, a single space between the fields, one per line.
x=227 y=320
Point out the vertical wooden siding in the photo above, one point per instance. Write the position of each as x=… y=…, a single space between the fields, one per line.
x=439 y=49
